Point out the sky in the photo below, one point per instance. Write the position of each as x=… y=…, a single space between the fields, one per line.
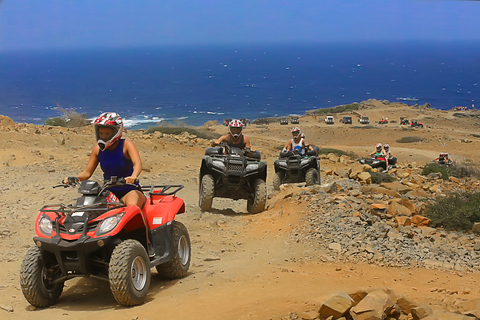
x=70 y=24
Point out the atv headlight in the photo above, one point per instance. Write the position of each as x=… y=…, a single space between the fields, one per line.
x=252 y=166
x=219 y=164
x=109 y=224
x=45 y=225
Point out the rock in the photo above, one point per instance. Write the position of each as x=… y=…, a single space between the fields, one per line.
x=335 y=246
x=434 y=175
x=6 y=308
x=336 y=306
x=470 y=305
x=421 y=312
x=309 y=315
x=357 y=296
x=397 y=186
x=397 y=209
x=418 y=220
x=374 y=306
x=406 y=305
x=476 y=227
x=341 y=173
x=403 y=220
x=453 y=179
x=365 y=177
x=427 y=231
x=379 y=206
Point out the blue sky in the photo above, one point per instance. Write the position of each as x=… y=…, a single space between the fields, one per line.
x=69 y=24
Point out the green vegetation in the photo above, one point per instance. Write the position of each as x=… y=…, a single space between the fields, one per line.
x=435 y=168
x=410 y=139
x=337 y=109
x=458 y=211
x=380 y=177
x=454 y=170
x=177 y=130
x=70 y=119
x=476 y=135
x=337 y=152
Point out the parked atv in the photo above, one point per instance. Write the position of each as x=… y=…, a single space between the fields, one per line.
x=98 y=236
x=229 y=172
x=293 y=167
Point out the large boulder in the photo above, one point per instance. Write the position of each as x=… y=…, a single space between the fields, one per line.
x=375 y=306
x=337 y=306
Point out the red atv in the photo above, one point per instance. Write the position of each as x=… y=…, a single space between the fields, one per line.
x=100 y=237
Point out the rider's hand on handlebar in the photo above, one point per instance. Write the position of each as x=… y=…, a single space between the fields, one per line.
x=213 y=143
x=71 y=181
x=131 y=180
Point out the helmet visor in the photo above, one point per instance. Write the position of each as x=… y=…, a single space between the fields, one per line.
x=236 y=130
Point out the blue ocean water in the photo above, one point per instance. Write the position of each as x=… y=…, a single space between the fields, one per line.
x=194 y=84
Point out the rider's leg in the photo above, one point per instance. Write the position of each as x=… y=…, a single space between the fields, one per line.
x=134 y=198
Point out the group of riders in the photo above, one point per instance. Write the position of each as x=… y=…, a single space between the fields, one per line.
x=120 y=157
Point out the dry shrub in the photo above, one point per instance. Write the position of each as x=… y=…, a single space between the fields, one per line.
x=410 y=139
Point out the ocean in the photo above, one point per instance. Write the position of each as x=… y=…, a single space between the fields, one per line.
x=195 y=84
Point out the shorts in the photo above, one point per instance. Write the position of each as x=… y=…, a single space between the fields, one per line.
x=121 y=191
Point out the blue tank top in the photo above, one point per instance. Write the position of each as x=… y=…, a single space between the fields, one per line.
x=114 y=163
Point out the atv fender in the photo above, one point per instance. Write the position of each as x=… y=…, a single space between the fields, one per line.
x=163 y=210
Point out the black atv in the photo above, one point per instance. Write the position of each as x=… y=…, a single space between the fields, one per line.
x=377 y=163
x=293 y=166
x=233 y=173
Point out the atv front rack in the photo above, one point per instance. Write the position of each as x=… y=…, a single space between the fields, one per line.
x=60 y=209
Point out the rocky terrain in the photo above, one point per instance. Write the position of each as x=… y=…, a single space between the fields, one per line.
x=335 y=244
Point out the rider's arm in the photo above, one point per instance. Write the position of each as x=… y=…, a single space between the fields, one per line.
x=91 y=166
x=307 y=145
x=131 y=152
x=221 y=139
x=288 y=146
x=247 y=143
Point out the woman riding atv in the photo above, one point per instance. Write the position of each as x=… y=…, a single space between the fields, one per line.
x=380 y=155
x=117 y=157
x=443 y=159
x=392 y=160
x=235 y=138
x=297 y=142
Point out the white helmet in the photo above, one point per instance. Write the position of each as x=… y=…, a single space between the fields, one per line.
x=108 y=120
x=235 y=128
x=296 y=132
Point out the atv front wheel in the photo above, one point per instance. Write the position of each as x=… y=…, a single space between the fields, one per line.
x=182 y=253
x=311 y=177
x=37 y=279
x=277 y=180
x=129 y=273
x=207 y=190
x=259 y=200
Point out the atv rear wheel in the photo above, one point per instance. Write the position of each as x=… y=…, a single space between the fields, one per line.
x=207 y=190
x=36 y=279
x=259 y=200
x=311 y=177
x=182 y=254
x=277 y=180
x=129 y=273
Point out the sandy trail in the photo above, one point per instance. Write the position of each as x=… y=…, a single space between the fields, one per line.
x=243 y=266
